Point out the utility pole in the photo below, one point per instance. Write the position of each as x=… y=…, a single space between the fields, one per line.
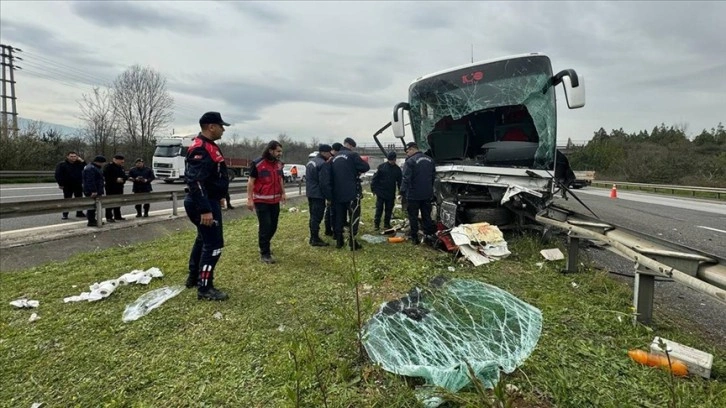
x=8 y=65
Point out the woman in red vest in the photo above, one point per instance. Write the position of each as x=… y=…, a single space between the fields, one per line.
x=265 y=190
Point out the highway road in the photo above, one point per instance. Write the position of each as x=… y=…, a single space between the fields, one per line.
x=13 y=193
x=699 y=224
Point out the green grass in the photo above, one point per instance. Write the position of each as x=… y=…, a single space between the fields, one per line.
x=288 y=334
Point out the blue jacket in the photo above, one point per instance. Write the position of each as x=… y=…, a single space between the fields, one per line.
x=347 y=166
x=312 y=177
x=144 y=172
x=386 y=181
x=92 y=180
x=418 y=177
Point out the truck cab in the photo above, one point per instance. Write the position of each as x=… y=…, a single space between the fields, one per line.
x=491 y=128
x=169 y=156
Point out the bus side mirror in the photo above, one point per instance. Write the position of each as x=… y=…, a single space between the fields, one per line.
x=397 y=123
x=575 y=95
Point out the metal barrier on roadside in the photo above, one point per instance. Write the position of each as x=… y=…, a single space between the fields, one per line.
x=718 y=192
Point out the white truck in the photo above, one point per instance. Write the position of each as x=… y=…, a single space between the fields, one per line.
x=491 y=128
x=169 y=156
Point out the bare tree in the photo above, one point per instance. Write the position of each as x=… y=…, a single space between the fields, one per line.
x=100 y=122
x=143 y=106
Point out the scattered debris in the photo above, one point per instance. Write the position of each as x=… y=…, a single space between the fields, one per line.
x=451 y=269
x=23 y=303
x=281 y=328
x=373 y=239
x=655 y=360
x=293 y=210
x=34 y=317
x=36 y=405
x=104 y=289
x=218 y=315
x=480 y=243
x=698 y=362
x=553 y=254
x=435 y=331
x=574 y=285
x=150 y=301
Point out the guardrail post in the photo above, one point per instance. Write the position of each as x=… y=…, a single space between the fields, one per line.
x=573 y=254
x=99 y=208
x=174 y=203
x=643 y=296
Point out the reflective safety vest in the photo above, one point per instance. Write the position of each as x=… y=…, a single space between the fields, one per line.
x=268 y=184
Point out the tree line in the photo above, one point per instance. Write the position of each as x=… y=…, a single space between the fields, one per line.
x=664 y=155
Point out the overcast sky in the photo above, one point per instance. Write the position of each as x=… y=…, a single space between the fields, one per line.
x=328 y=70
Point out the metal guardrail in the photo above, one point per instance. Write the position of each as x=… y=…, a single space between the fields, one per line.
x=21 y=209
x=718 y=192
x=12 y=174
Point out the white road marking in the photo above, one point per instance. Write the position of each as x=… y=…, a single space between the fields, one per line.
x=712 y=229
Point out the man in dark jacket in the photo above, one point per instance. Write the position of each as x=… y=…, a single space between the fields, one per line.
x=115 y=176
x=207 y=185
x=93 y=185
x=314 y=192
x=384 y=185
x=346 y=170
x=142 y=177
x=418 y=188
x=69 y=176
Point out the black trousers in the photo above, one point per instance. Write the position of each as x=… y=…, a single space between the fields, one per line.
x=267 y=216
x=381 y=204
x=347 y=210
x=317 y=211
x=329 y=218
x=207 y=246
x=113 y=212
x=424 y=207
x=73 y=191
x=91 y=215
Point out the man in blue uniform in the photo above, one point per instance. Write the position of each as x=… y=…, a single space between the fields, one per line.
x=418 y=189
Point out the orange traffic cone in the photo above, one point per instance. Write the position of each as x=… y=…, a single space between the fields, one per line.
x=614 y=192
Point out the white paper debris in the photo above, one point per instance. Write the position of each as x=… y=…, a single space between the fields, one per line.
x=451 y=269
x=34 y=317
x=218 y=316
x=574 y=285
x=281 y=328
x=473 y=255
x=553 y=254
x=104 y=289
x=23 y=303
x=293 y=209
x=36 y=405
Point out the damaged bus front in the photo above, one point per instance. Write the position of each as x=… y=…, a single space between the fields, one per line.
x=491 y=128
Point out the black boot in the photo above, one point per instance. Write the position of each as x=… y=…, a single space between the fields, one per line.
x=192 y=281
x=339 y=242
x=211 y=293
x=354 y=245
x=316 y=241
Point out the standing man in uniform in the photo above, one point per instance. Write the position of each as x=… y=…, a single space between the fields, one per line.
x=115 y=177
x=384 y=185
x=346 y=170
x=418 y=188
x=142 y=177
x=314 y=192
x=208 y=184
x=93 y=186
x=69 y=176
x=326 y=179
x=265 y=191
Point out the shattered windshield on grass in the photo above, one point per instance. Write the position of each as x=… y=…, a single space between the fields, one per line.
x=464 y=113
x=435 y=331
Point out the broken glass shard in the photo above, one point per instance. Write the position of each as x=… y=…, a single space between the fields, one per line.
x=434 y=331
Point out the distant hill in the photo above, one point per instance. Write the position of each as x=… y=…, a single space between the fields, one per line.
x=66 y=131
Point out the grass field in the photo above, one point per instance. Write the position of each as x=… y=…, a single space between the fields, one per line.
x=287 y=336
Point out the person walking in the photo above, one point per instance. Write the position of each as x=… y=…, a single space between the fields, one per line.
x=93 y=186
x=115 y=177
x=265 y=191
x=69 y=176
x=346 y=170
x=314 y=192
x=207 y=185
x=418 y=189
x=142 y=177
x=384 y=185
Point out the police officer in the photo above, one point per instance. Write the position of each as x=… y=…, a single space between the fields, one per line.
x=93 y=185
x=346 y=170
x=142 y=177
x=208 y=184
x=316 y=198
x=115 y=177
x=326 y=183
x=418 y=188
x=384 y=185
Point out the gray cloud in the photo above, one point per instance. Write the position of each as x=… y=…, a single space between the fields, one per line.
x=258 y=11
x=131 y=14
